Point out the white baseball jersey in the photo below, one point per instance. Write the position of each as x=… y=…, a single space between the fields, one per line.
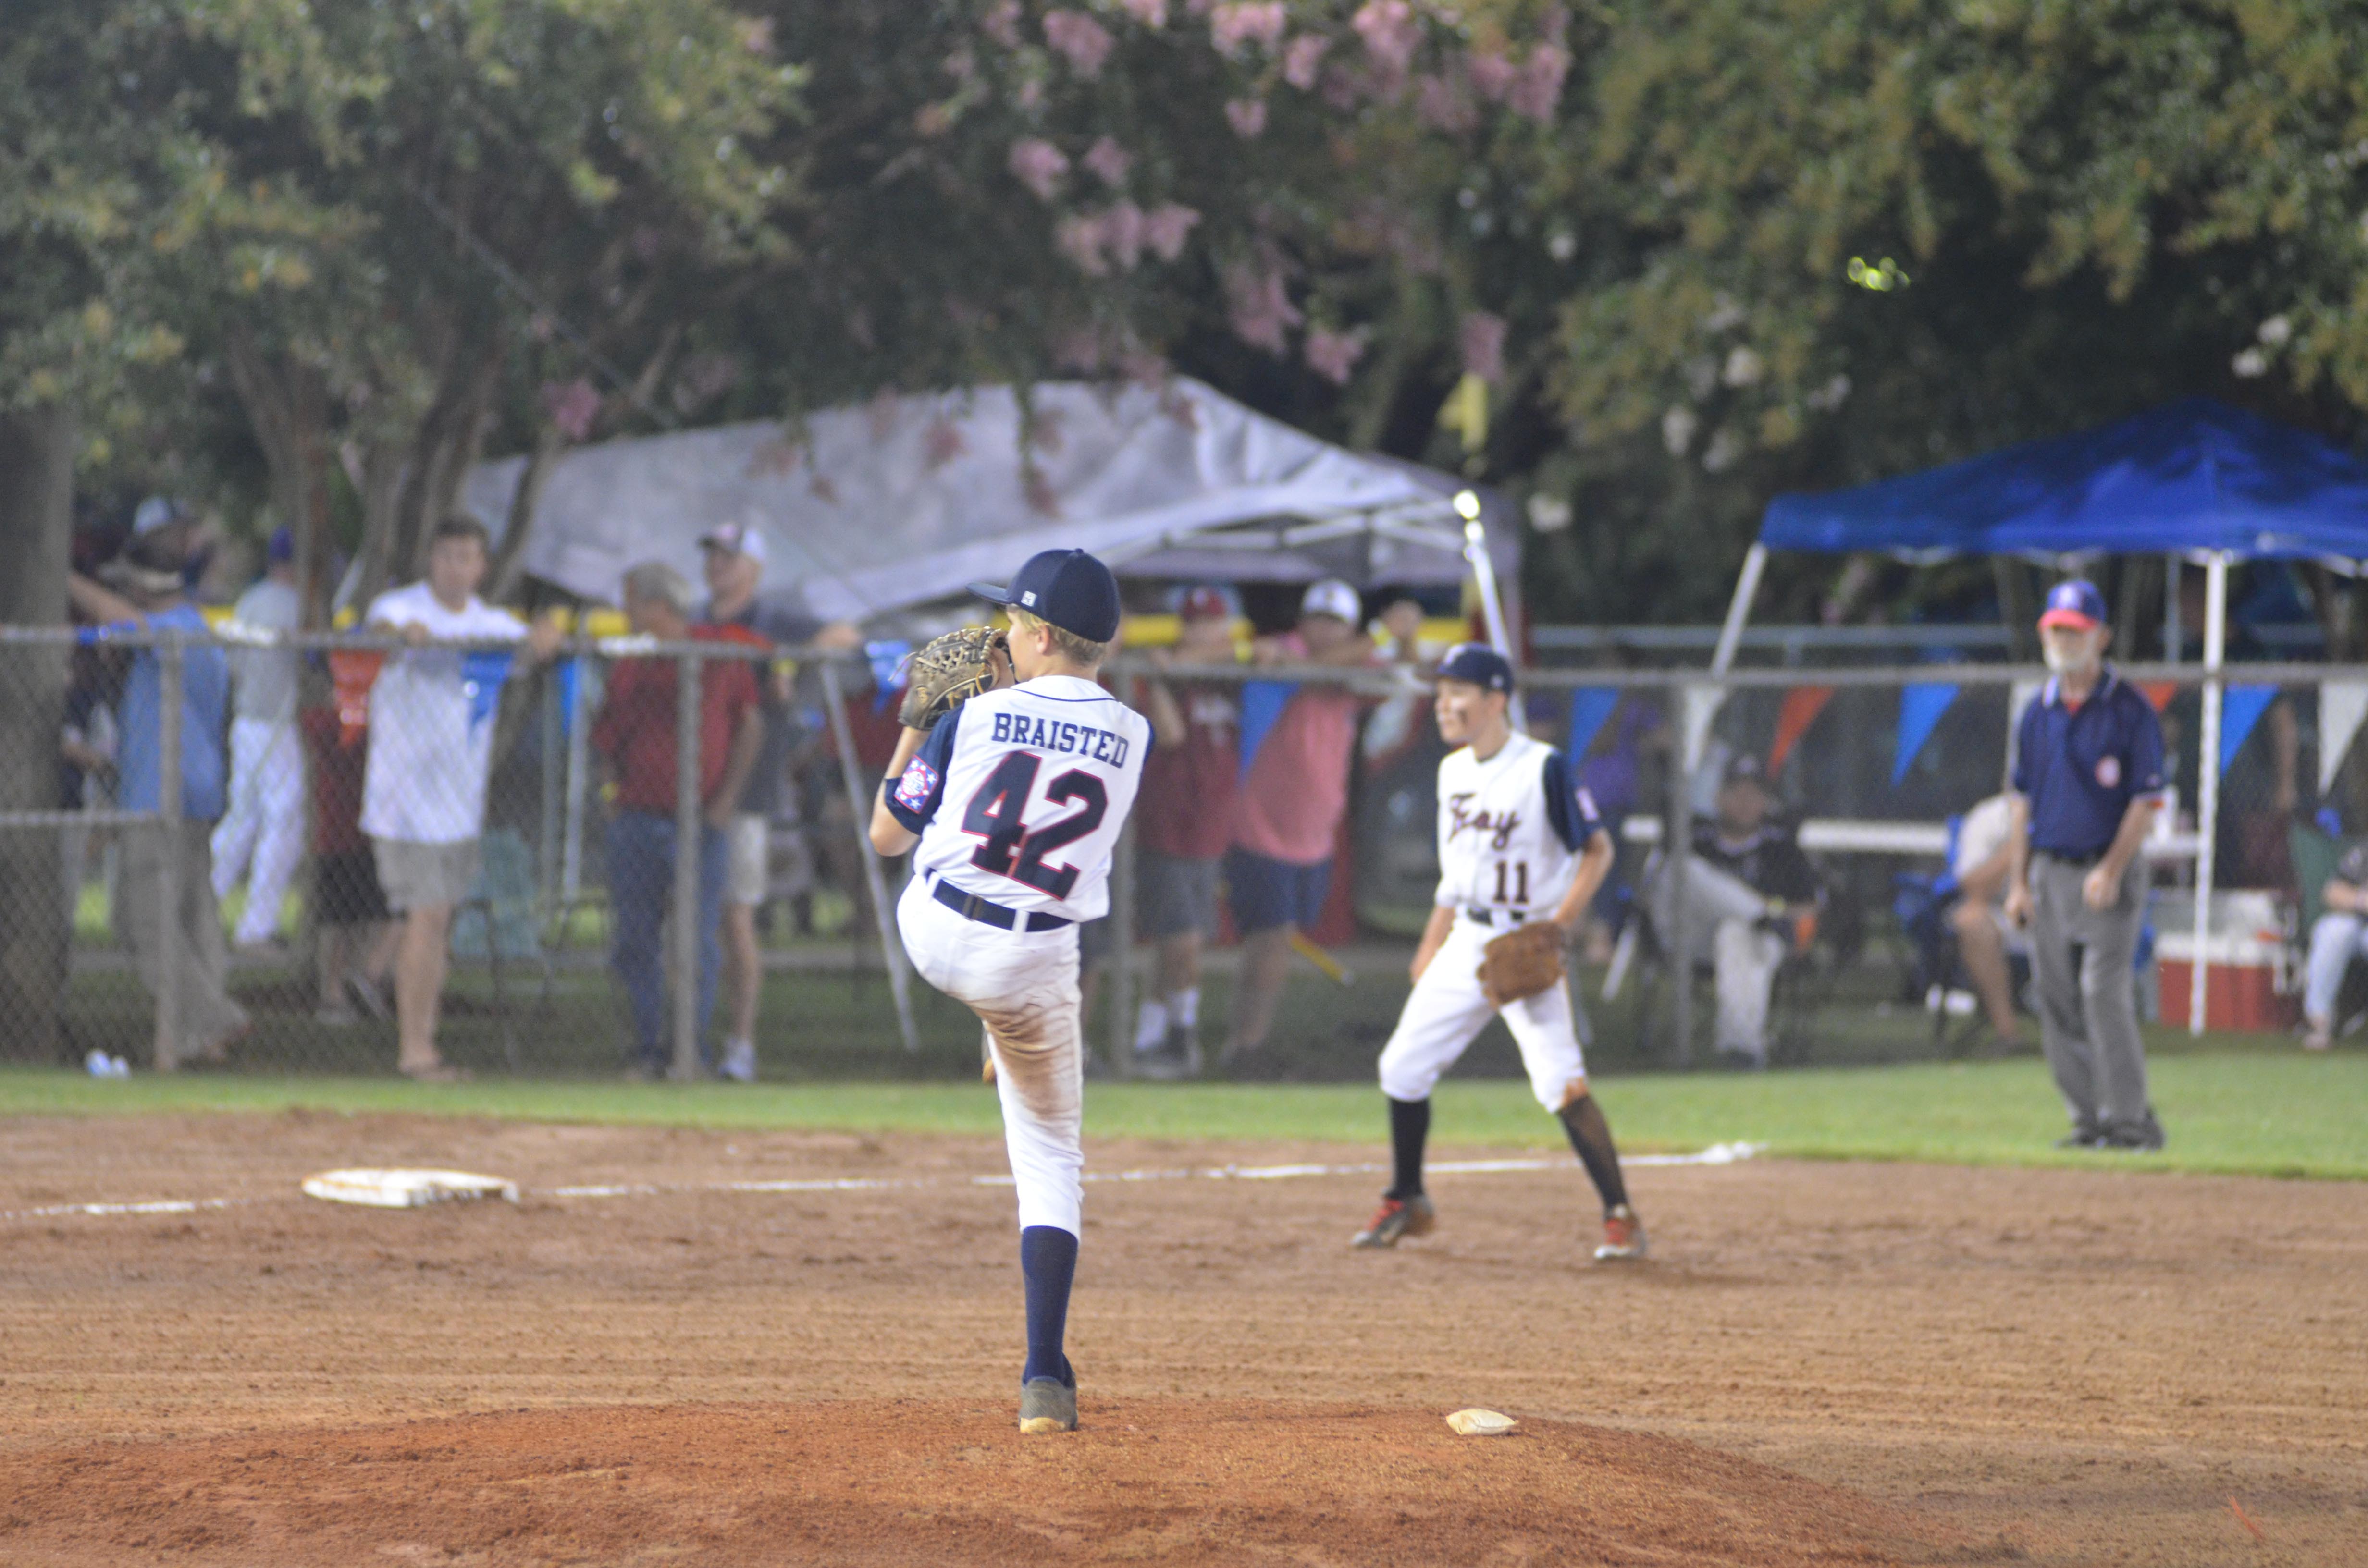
x=1510 y=828
x=1019 y=794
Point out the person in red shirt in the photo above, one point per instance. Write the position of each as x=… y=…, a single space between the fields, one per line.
x=357 y=934
x=1290 y=803
x=634 y=738
x=1184 y=822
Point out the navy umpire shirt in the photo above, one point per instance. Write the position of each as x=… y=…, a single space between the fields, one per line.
x=2080 y=767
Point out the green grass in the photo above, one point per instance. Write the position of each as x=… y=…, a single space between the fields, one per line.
x=2251 y=1113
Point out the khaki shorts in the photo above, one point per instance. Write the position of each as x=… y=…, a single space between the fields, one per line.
x=425 y=876
x=750 y=872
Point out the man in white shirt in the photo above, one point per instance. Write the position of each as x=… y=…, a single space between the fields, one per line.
x=262 y=834
x=431 y=746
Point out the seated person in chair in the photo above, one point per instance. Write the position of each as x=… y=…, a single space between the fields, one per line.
x=1747 y=885
x=2336 y=938
x=1979 y=917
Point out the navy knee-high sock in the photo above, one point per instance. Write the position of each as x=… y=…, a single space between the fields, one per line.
x=1409 y=1126
x=1048 y=1261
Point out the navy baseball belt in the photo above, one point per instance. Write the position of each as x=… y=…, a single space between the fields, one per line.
x=1488 y=916
x=986 y=912
x=2090 y=859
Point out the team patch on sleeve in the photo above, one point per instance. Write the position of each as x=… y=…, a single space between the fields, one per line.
x=1587 y=813
x=919 y=782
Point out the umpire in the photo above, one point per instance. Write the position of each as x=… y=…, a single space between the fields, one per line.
x=2088 y=779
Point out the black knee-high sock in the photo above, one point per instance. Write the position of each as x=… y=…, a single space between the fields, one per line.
x=1591 y=1138
x=1048 y=1260
x=1409 y=1125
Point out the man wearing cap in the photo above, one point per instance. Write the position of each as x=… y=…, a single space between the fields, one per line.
x=2087 y=781
x=151 y=598
x=1013 y=803
x=1287 y=812
x=1520 y=844
x=262 y=834
x=735 y=569
x=1745 y=881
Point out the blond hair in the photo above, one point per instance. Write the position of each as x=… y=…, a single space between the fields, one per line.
x=1075 y=649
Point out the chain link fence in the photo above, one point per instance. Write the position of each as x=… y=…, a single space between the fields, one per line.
x=192 y=877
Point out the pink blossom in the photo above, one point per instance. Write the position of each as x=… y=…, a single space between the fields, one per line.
x=1079 y=350
x=1084 y=41
x=1232 y=25
x=1164 y=228
x=1246 y=116
x=1301 y=58
x=1038 y=489
x=1391 y=34
x=1334 y=355
x=1079 y=236
x=572 y=406
x=1001 y=23
x=1259 y=307
x=1122 y=233
x=942 y=442
x=756 y=34
x=1540 y=87
x=1492 y=74
x=1442 y=105
x=1482 y=339
x=1039 y=166
x=1150 y=12
x=1109 y=160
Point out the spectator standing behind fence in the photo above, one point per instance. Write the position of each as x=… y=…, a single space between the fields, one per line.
x=1287 y=812
x=1746 y=881
x=735 y=569
x=1183 y=824
x=151 y=598
x=635 y=737
x=86 y=749
x=2088 y=779
x=431 y=746
x=354 y=941
x=262 y=833
x=1983 y=860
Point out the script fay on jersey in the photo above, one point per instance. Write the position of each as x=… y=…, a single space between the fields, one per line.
x=1510 y=828
x=1019 y=794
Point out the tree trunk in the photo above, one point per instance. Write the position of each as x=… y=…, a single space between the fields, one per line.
x=550 y=443
x=36 y=540
x=2017 y=606
x=441 y=451
x=287 y=402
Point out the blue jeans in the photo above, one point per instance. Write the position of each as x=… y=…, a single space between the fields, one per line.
x=641 y=889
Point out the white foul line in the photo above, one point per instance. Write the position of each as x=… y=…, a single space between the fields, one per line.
x=1717 y=1154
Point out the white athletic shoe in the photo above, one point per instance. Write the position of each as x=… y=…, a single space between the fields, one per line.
x=740 y=1061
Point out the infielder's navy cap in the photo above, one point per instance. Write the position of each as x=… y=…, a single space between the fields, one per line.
x=1066 y=589
x=1478 y=664
x=2074 y=602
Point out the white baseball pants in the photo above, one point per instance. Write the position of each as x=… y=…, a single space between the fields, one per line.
x=1447 y=1011
x=1023 y=986
x=265 y=823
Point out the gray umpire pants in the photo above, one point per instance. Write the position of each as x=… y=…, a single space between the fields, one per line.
x=2081 y=960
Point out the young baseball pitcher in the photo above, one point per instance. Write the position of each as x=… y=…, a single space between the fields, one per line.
x=1015 y=796
x=1520 y=852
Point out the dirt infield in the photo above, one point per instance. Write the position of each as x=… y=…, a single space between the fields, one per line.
x=1830 y=1363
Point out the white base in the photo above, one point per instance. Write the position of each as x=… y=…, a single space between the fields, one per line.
x=406 y=1188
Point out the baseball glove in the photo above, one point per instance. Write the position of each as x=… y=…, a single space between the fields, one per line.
x=1522 y=963
x=945 y=673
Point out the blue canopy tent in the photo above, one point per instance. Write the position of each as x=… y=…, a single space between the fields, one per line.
x=2194 y=478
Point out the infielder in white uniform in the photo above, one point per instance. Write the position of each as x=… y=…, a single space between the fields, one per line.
x=1015 y=799
x=1518 y=841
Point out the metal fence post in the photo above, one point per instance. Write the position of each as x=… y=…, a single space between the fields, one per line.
x=169 y=892
x=686 y=826
x=2207 y=782
x=1121 y=979
x=859 y=800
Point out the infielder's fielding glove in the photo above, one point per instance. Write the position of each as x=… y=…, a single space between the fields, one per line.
x=1522 y=963
x=949 y=671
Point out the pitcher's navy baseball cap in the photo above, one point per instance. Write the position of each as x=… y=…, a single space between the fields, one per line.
x=1478 y=664
x=2075 y=603
x=1066 y=589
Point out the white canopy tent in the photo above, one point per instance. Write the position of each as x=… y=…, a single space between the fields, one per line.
x=902 y=501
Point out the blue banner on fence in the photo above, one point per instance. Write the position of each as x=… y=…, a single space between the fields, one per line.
x=481 y=673
x=2240 y=710
x=1920 y=708
x=1262 y=704
x=1590 y=706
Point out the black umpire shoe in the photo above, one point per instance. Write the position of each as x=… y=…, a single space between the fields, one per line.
x=2137 y=1138
x=2082 y=1137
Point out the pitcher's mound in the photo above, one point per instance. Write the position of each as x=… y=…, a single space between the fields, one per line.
x=902 y=1482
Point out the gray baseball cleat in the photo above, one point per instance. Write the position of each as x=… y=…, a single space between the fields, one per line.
x=1047 y=1404
x=1397 y=1216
